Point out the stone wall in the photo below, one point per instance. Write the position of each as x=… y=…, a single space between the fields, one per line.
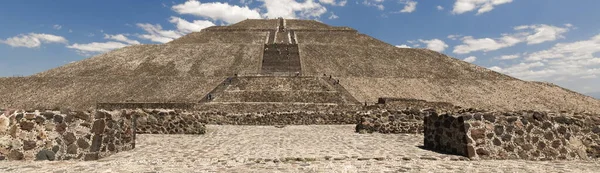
x=52 y=135
x=533 y=136
x=162 y=121
x=515 y=135
x=145 y=105
x=278 y=118
x=445 y=133
x=390 y=121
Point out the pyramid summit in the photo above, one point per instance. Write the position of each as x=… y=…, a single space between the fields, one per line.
x=275 y=61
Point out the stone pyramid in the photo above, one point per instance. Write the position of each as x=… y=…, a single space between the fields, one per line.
x=280 y=61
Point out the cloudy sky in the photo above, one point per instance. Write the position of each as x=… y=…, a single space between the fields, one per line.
x=557 y=41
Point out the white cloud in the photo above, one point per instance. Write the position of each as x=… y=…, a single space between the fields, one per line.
x=90 y=49
x=409 y=7
x=440 y=8
x=217 y=11
x=532 y=34
x=507 y=57
x=155 y=33
x=470 y=59
x=95 y=47
x=57 y=27
x=544 y=33
x=121 y=38
x=454 y=37
x=33 y=40
x=435 y=44
x=374 y=3
x=333 y=16
x=402 y=46
x=571 y=64
x=482 y=6
x=471 y=44
x=70 y=31
x=332 y=2
x=293 y=9
x=589 y=77
x=187 y=27
x=580 y=51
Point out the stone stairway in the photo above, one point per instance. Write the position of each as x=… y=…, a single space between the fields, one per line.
x=281 y=56
x=278 y=91
x=280 y=85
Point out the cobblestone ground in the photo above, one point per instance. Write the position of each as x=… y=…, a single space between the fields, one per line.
x=290 y=149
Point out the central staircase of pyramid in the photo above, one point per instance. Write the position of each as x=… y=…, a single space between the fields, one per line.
x=280 y=85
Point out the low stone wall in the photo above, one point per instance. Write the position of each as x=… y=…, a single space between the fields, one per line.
x=162 y=121
x=53 y=135
x=389 y=121
x=445 y=133
x=144 y=105
x=278 y=118
x=241 y=108
x=515 y=135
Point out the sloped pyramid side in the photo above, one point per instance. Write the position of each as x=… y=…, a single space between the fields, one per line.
x=186 y=69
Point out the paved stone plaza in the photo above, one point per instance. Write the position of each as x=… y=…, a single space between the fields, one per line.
x=323 y=148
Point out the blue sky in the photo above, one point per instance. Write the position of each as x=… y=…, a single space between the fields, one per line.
x=557 y=41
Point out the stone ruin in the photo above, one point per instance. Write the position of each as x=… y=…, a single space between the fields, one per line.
x=289 y=72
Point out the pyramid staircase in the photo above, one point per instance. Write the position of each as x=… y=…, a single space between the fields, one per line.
x=280 y=85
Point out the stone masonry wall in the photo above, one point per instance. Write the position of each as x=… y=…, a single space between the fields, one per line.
x=142 y=105
x=445 y=133
x=391 y=121
x=532 y=135
x=278 y=118
x=52 y=135
x=526 y=135
x=162 y=121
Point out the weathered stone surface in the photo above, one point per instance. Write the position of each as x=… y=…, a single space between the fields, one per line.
x=478 y=134
x=61 y=128
x=47 y=115
x=98 y=127
x=498 y=130
x=96 y=143
x=91 y=156
x=55 y=148
x=29 y=116
x=45 y=155
x=82 y=143
x=72 y=149
x=496 y=142
x=58 y=119
x=28 y=145
x=39 y=120
x=81 y=115
x=69 y=138
x=482 y=152
x=489 y=117
x=26 y=125
x=15 y=155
